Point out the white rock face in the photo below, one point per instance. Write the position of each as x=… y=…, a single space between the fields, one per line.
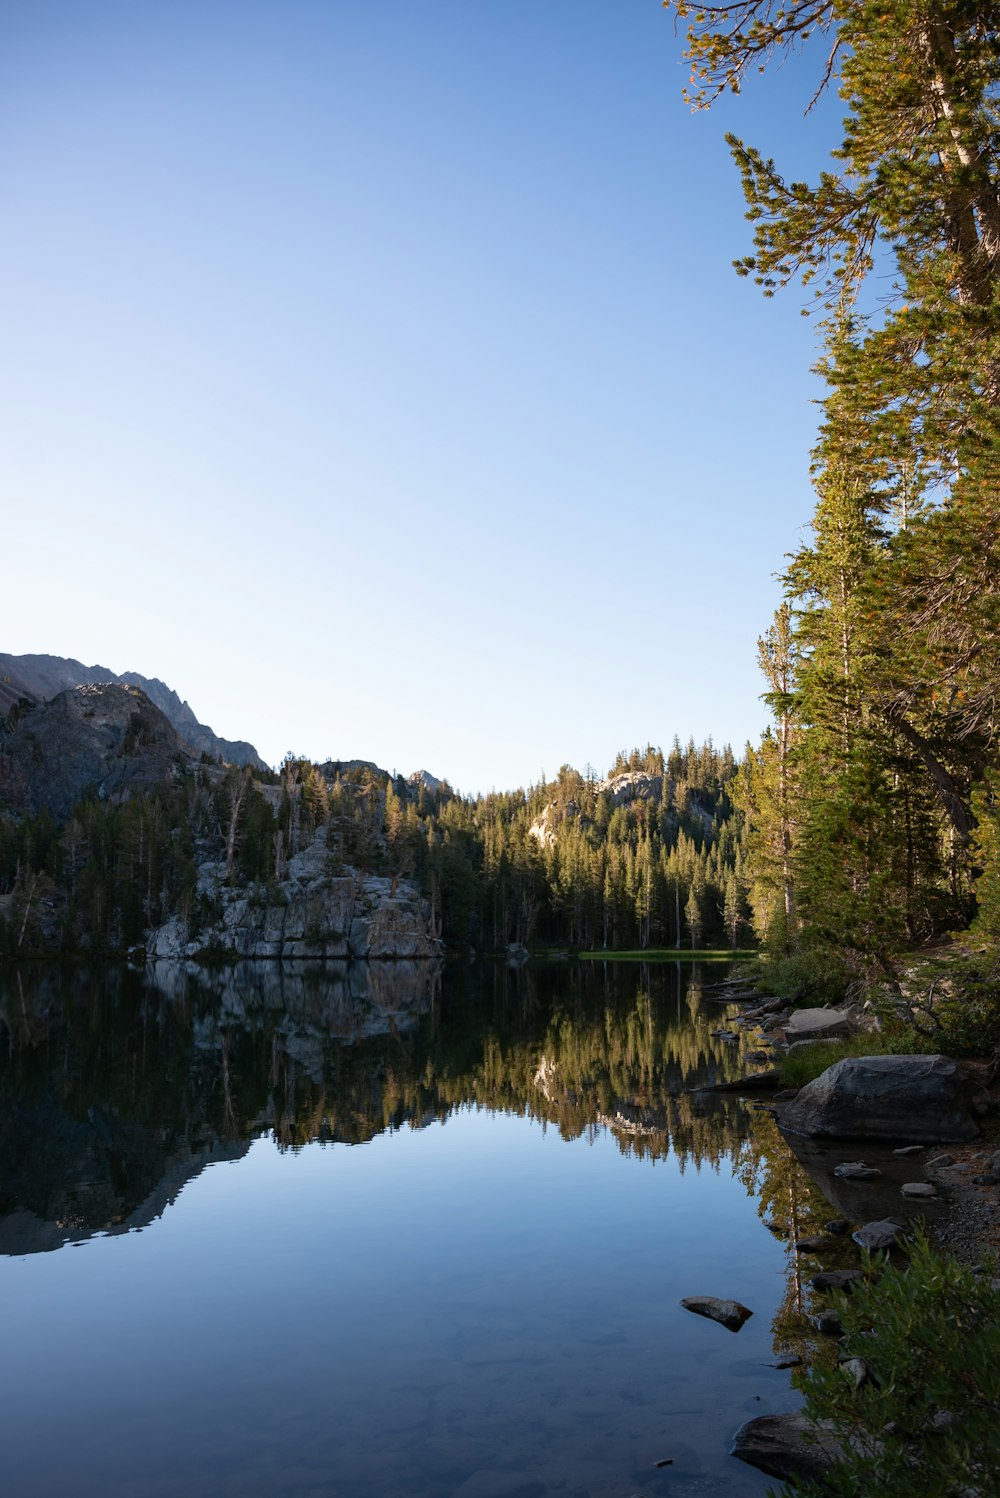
x=315 y=911
x=632 y=785
x=543 y=828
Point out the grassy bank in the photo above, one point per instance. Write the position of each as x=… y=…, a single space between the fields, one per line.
x=671 y=954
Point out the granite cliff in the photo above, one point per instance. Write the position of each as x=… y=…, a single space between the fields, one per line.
x=319 y=909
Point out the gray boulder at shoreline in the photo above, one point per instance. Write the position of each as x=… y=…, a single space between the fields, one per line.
x=787 y=1446
x=917 y=1098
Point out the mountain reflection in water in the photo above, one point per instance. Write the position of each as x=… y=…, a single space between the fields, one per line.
x=118 y=1086
x=478 y=1310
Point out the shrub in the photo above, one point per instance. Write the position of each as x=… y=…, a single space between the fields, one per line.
x=927 y=1422
x=811 y=978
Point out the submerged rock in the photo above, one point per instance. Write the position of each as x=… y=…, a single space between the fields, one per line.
x=920 y=1098
x=836 y=1279
x=856 y=1170
x=729 y=1313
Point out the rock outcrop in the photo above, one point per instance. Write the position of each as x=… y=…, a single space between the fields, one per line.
x=109 y=738
x=630 y=786
x=318 y=910
x=917 y=1098
x=42 y=677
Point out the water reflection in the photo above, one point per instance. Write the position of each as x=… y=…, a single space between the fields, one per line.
x=119 y=1086
x=489 y=1307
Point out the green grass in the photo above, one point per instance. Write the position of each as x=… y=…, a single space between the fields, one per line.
x=806 y=1065
x=670 y=954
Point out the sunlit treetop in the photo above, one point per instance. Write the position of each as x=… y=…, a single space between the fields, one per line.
x=913 y=193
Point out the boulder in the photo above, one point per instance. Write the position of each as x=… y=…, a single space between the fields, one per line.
x=918 y=1098
x=729 y=1313
x=858 y=1371
x=876 y=1236
x=818 y=1024
x=787 y=1446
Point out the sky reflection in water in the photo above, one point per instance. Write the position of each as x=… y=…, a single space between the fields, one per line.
x=478 y=1308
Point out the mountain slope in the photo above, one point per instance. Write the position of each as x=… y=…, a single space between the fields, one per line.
x=42 y=677
x=110 y=737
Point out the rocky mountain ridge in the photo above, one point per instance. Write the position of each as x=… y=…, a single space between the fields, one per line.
x=111 y=738
x=43 y=677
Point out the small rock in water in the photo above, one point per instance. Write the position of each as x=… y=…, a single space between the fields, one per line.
x=775 y=1227
x=878 y=1235
x=828 y=1324
x=729 y=1313
x=939 y=1161
x=921 y=1189
x=856 y=1170
x=837 y=1225
x=836 y=1279
x=910 y=1149
x=790 y=1360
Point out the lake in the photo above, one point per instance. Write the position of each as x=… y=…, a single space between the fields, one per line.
x=378 y=1231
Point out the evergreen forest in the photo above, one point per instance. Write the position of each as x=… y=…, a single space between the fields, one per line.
x=871 y=805
x=650 y=856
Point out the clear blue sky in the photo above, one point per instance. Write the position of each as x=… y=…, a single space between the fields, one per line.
x=375 y=374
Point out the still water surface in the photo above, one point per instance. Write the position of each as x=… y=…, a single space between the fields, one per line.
x=377 y=1233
